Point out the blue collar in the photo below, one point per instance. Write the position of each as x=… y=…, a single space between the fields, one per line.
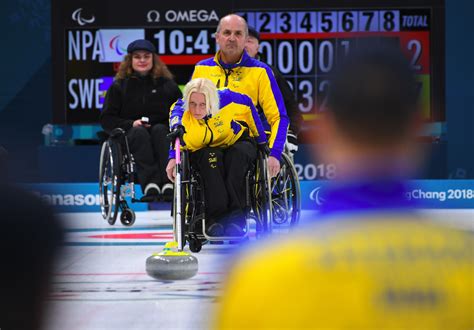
x=367 y=195
x=230 y=66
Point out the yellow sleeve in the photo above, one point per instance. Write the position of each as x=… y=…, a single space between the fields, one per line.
x=199 y=72
x=249 y=120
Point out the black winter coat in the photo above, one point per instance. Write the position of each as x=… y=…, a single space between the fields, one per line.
x=135 y=97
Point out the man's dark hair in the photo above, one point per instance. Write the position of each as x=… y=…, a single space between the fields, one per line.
x=254 y=33
x=373 y=96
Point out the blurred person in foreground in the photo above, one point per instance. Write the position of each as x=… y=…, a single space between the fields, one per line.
x=372 y=261
x=30 y=240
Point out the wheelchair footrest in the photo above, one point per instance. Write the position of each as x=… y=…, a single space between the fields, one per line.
x=166 y=198
x=150 y=198
x=239 y=241
x=154 y=198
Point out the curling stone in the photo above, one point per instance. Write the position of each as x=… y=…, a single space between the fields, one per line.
x=171 y=264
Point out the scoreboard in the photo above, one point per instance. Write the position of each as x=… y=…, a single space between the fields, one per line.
x=304 y=40
x=307 y=46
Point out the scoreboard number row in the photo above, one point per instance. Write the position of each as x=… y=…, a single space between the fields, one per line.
x=324 y=21
x=308 y=57
x=312 y=93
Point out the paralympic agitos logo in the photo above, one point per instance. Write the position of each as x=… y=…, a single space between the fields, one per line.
x=77 y=16
x=315 y=196
x=115 y=44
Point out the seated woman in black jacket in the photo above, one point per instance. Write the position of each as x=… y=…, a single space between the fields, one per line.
x=143 y=87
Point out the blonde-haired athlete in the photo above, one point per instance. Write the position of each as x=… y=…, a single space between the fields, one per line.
x=217 y=127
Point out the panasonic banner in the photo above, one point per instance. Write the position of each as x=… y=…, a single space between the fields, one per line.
x=76 y=197
x=437 y=194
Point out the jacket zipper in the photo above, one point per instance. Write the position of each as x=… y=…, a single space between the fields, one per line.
x=227 y=74
x=210 y=130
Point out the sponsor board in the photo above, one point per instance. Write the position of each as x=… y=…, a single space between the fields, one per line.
x=84 y=197
x=76 y=197
x=438 y=194
x=192 y=15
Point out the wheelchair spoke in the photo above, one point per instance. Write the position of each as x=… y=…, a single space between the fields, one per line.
x=277 y=178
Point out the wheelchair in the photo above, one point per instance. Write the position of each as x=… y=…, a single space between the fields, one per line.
x=117 y=177
x=273 y=204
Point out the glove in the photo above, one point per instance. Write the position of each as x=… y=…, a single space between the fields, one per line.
x=291 y=142
x=177 y=132
x=263 y=147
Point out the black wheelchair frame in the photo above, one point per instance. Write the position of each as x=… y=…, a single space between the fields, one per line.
x=270 y=203
x=117 y=177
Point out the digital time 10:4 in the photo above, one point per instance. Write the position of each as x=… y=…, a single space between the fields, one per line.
x=177 y=42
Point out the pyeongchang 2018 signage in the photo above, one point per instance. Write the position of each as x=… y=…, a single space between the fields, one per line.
x=437 y=194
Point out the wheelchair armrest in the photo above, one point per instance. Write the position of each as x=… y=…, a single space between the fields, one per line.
x=264 y=149
x=102 y=136
x=117 y=132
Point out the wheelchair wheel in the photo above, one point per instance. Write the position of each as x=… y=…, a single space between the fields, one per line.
x=109 y=180
x=195 y=245
x=127 y=218
x=286 y=195
x=261 y=199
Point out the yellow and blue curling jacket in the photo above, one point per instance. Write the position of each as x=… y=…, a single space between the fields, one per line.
x=398 y=273
x=255 y=79
x=370 y=262
x=237 y=115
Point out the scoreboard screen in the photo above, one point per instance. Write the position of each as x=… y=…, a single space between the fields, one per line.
x=305 y=43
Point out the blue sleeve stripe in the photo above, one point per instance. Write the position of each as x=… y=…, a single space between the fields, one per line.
x=176 y=113
x=207 y=62
x=280 y=138
x=225 y=97
x=171 y=154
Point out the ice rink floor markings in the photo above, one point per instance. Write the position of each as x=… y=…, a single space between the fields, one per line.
x=118 y=236
x=134 y=290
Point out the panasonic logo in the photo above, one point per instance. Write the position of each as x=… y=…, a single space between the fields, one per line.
x=69 y=199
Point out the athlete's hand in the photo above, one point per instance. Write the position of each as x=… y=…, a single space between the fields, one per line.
x=273 y=166
x=170 y=169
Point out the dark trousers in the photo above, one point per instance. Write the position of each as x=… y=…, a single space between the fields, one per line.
x=150 y=147
x=223 y=174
